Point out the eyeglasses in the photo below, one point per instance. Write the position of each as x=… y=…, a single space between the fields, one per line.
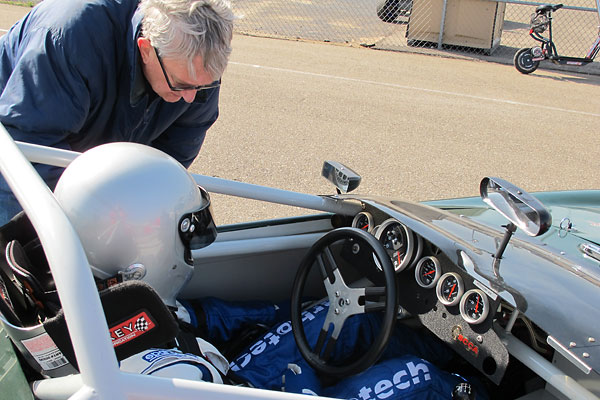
x=212 y=85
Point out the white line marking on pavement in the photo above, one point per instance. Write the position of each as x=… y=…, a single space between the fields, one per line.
x=394 y=85
x=4 y=30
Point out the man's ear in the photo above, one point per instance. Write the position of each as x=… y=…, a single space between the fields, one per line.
x=145 y=48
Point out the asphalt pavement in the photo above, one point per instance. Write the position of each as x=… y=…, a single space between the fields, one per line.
x=415 y=126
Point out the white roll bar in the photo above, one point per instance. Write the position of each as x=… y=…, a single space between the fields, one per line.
x=100 y=377
x=62 y=158
x=70 y=269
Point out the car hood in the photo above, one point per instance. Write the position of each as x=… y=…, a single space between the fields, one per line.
x=575 y=217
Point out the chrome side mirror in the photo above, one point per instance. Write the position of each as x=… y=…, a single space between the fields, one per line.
x=515 y=204
x=522 y=210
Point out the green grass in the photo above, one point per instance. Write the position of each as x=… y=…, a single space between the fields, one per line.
x=18 y=3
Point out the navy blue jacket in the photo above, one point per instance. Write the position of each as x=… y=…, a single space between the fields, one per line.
x=70 y=77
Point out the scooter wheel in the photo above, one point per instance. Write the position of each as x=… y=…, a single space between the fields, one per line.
x=524 y=61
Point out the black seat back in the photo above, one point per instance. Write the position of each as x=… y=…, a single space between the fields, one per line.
x=29 y=305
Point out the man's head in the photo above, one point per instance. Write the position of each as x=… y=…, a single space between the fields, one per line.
x=184 y=45
x=133 y=205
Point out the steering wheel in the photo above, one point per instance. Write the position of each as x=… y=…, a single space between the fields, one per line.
x=344 y=301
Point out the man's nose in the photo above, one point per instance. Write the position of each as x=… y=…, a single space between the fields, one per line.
x=188 y=95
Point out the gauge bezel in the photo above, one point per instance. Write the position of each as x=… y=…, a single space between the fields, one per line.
x=418 y=248
x=369 y=219
x=410 y=248
x=459 y=293
x=438 y=272
x=486 y=306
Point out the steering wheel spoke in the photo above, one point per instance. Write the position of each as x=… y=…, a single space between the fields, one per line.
x=373 y=299
x=374 y=307
x=327 y=265
x=344 y=302
x=329 y=345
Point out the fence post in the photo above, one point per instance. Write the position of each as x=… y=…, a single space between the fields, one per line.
x=443 y=22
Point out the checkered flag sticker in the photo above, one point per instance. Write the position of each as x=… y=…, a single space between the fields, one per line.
x=132 y=328
x=141 y=324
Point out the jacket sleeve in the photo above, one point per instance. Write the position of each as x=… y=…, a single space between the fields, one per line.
x=44 y=99
x=184 y=138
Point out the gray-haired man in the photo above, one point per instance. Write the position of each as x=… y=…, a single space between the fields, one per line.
x=75 y=74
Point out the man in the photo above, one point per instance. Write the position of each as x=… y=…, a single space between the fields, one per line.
x=75 y=74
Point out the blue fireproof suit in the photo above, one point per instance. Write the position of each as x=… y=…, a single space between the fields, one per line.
x=410 y=367
x=71 y=78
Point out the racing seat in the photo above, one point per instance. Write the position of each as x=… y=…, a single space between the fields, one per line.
x=31 y=313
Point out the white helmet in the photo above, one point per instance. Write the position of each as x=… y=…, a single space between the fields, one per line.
x=138 y=214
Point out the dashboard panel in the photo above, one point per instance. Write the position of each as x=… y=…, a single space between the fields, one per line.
x=447 y=300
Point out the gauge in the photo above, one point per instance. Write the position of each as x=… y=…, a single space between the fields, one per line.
x=398 y=241
x=449 y=288
x=427 y=272
x=363 y=220
x=474 y=306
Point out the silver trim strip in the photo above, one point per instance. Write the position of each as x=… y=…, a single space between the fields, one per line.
x=568 y=354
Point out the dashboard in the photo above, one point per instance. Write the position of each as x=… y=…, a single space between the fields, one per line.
x=447 y=300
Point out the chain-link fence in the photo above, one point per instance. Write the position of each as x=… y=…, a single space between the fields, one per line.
x=487 y=29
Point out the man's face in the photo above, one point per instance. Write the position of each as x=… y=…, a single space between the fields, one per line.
x=163 y=74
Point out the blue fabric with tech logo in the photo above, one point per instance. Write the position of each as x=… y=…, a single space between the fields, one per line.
x=406 y=377
x=265 y=362
x=410 y=367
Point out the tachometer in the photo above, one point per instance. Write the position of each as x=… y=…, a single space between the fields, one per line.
x=398 y=242
x=363 y=220
x=474 y=306
x=427 y=272
x=449 y=288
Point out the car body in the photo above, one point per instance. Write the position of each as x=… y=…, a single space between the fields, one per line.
x=390 y=10
x=537 y=271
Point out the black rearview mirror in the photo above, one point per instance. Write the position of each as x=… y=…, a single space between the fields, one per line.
x=341 y=176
